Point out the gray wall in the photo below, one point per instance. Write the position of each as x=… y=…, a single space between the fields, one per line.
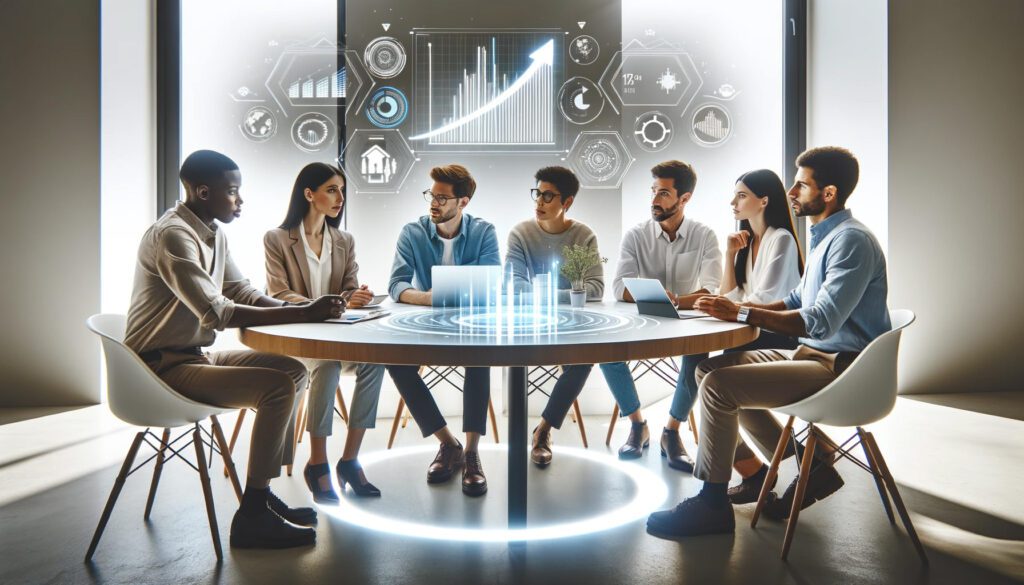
x=49 y=164
x=956 y=191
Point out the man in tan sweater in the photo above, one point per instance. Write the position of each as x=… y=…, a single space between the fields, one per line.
x=186 y=289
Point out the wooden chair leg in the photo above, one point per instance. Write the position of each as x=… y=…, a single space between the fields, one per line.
x=405 y=418
x=229 y=463
x=801 y=488
x=494 y=419
x=343 y=409
x=692 y=423
x=234 y=434
x=572 y=416
x=204 y=478
x=897 y=500
x=773 y=471
x=876 y=474
x=394 y=425
x=579 y=421
x=159 y=467
x=114 y=492
x=611 y=426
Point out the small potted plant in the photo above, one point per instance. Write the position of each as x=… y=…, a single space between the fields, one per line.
x=576 y=262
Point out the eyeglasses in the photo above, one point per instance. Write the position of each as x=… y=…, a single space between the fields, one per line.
x=430 y=197
x=547 y=196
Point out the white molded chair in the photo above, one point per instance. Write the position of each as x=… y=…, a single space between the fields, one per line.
x=864 y=393
x=137 y=396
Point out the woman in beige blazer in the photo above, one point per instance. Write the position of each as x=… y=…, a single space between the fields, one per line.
x=307 y=257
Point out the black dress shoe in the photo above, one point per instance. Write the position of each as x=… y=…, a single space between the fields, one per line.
x=312 y=475
x=268 y=530
x=299 y=516
x=351 y=473
x=749 y=489
x=638 y=440
x=823 y=482
x=474 y=483
x=692 y=517
x=672 y=450
x=541 y=452
x=448 y=459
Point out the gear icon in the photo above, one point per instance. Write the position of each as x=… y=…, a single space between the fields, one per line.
x=652 y=131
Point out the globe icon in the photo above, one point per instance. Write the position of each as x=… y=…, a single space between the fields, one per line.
x=259 y=124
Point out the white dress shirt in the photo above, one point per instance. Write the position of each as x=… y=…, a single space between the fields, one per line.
x=689 y=263
x=319 y=268
x=776 y=272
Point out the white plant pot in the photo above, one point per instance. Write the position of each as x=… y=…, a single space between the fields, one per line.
x=577 y=298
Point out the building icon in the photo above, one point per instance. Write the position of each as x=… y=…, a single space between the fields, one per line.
x=377 y=166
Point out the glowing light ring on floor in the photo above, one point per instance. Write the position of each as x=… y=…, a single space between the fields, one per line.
x=651 y=493
x=524 y=323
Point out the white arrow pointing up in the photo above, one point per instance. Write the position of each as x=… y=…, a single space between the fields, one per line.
x=545 y=55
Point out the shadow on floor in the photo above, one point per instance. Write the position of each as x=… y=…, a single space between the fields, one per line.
x=10 y=415
x=962 y=517
x=1002 y=404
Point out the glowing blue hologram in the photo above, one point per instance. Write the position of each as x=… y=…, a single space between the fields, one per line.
x=651 y=493
x=387 y=107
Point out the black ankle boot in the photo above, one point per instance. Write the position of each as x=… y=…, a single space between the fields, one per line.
x=351 y=472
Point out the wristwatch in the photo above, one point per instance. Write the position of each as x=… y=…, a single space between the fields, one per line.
x=743 y=314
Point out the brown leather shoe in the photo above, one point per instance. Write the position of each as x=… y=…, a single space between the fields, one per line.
x=638 y=440
x=749 y=489
x=474 y=483
x=673 y=450
x=541 y=453
x=448 y=459
x=823 y=482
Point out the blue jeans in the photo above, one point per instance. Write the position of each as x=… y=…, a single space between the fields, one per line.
x=620 y=382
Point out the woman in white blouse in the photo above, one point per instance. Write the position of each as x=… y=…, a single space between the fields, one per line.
x=762 y=264
x=762 y=260
x=308 y=257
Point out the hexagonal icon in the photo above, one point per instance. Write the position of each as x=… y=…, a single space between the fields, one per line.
x=652 y=78
x=377 y=161
x=318 y=74
x=600 y=159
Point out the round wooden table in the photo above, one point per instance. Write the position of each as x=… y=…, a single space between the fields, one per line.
x=412 y=335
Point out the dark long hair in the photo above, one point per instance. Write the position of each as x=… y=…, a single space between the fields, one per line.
x=765 y=183
x=312 y=176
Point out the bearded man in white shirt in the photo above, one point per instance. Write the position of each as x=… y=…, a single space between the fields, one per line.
x=683 y=255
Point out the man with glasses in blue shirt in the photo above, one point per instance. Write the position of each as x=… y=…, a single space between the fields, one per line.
x=838 y=308
x=445 y=237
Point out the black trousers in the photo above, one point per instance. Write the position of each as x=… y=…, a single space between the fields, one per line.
x=475 y=394
x=567 y=388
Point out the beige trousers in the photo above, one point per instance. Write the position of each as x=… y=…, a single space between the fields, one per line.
x=244 y=379
x=739 y=388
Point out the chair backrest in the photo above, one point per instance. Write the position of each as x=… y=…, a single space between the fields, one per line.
x=866 y=391
x=134 y=393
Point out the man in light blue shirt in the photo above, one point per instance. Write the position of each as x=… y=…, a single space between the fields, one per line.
x=445 y=237
x=838 y=308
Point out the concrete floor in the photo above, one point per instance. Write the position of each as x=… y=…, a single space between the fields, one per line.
x=958 y=465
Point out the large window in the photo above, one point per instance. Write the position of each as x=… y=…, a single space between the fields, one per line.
x=605 y=87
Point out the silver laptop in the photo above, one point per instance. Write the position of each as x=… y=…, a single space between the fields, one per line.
x=465 y=286
x=651 y=299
